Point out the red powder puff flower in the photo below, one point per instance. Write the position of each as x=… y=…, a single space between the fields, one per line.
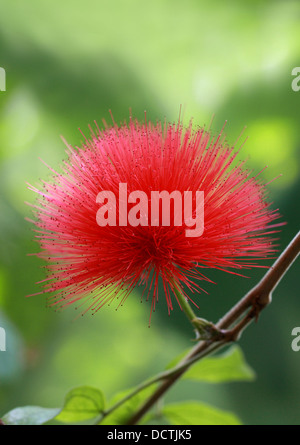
x=92 y=265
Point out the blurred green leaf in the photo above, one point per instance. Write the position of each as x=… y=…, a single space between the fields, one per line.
x=195 y=413
x=120 y=415
x=81 y=404
x=227 y=367
x=29 y=415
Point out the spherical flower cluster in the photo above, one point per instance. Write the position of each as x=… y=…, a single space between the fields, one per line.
x=91 y=265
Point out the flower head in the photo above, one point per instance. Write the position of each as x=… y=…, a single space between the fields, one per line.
x=91 y=265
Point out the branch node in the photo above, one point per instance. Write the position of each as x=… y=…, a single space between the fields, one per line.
x=205 y=330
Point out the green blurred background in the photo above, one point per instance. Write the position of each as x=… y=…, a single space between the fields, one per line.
x=67 y=63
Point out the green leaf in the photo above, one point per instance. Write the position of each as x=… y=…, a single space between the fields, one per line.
x=29 y=415
x=196 y=413
x=81 y=404
x=227 y=367
x=120 y=415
